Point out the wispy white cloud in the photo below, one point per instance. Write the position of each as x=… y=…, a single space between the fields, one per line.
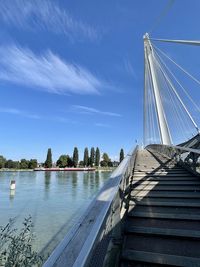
x=47 y=72
x=26 y=114
x=18 y=112
x=89 y=110
x=44 y=15
x=102 y=125
x=129 y=68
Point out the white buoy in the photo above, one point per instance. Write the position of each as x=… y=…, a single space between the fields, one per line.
x=12 y=185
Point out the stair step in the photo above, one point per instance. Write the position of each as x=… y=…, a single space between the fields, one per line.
x=167 y=204
x=169 y=216
x=156 y=187
x=139 y=174
x=157 y=258
x=169 y=183
x=165 y=194
x=156 y=170
x=129 y=229
x=164 y=223
x=166 y=178
x=165 y=209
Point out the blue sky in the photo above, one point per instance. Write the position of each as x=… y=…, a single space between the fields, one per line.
x=71 y=72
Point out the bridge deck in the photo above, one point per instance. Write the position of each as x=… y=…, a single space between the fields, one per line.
x=163 y=220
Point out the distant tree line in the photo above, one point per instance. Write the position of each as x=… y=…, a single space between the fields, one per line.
x=92 y=158
x=22 y=164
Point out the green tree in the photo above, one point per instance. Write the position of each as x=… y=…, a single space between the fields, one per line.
x=106 y=157
x=48 y=162
x=121 y=155
x=16 y=164
x=62 y=161
x=75 y=157
x=10 y=164
x=106 y=160
x=92 y=157
x=24 y=164
x=70 y=162
x=97 y=157
x=81 y=163
x=2 y=162
x=103 y=163
x=86 y=157
x=33 y=164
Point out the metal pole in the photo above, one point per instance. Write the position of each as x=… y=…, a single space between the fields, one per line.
x=162 y=122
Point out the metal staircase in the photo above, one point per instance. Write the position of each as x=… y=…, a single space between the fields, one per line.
x=162 y=226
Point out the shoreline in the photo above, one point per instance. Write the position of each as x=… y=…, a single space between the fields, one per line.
x=65 y=169
x=16 y=170
x=98 y=169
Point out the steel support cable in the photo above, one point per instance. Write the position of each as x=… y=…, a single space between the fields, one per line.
x=153 y=109
x=161 y=105
x=149 y=122
x=183 y=109
x=151 y=102
x=175 y=105
x=146 y=109
x=157 y=135
x=159 y=85
x=167 y=94
x=150 y=109
x=147 y=106
x=184 y=42
x=162 y=15
x=184 y=90
x=167 y=69
x=179 y=110
x=144 y=103
x=177 y=95
x=181 y=68
x=181 y=104
x=155 y=113
x=147 y=112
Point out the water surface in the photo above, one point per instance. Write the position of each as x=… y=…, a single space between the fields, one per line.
x=55 y=200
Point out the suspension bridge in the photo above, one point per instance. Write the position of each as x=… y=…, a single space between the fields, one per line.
x=148 y=213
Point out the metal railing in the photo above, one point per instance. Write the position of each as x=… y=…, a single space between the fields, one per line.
x=188 y=157
x=99 y=224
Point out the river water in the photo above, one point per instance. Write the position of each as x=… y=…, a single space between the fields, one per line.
x=55 y=200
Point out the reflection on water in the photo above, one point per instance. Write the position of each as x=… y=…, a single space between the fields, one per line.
x=12 y=194
x=47 y=182
x=54 y=200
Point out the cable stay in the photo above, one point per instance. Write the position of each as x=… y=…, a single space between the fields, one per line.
x=185 y=42
x=181 y=68
x=177 y=95
x=175 y=110
x=177 y=81
x=162 y=15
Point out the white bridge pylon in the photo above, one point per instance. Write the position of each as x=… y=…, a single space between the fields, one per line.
x=162 y=121
x=158 y=83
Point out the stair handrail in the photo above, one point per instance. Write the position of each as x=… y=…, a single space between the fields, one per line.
x=188 y=157
x=102 y=215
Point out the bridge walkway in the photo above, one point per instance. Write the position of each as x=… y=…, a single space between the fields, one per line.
x=162 y=226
